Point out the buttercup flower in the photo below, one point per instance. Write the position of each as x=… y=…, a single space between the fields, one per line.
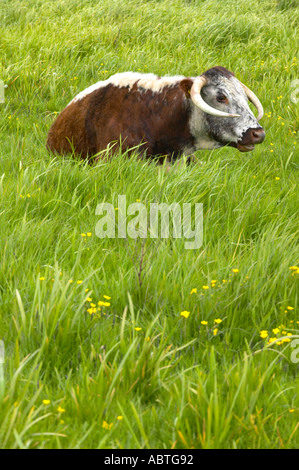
x=263 y=334
x=185 y=314
x=107 y=426
x=271 y=340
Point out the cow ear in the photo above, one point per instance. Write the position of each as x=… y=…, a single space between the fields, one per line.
x=186 y=85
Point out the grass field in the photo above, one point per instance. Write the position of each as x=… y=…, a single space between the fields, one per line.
x=138 y=374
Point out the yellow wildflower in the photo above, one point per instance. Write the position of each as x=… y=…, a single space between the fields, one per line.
x=106 y=297
x=46 y=402
x=107 y=426
x=204 y=322
x=215 y=331
x=138 y=328
x=185 y=313
x=205 y=287
x=217 y=320
x=193 y=291
x=271 y=340
x=90 y=311
x=263 y=334
x=60 y=410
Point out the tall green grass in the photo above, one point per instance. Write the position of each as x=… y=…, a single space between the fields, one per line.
x=137 y=374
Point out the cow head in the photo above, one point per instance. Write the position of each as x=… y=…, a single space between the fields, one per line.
x=220 y=105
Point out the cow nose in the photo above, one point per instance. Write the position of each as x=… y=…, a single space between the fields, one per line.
x=257 y=135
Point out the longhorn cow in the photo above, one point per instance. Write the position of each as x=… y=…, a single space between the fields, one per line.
x=167 y=116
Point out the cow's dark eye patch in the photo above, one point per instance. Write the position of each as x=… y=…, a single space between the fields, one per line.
x=221 y=98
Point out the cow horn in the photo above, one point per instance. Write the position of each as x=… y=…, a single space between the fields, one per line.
x=254 y=100
x=201 y=104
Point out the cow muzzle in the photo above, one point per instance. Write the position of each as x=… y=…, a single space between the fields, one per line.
x=251 y=137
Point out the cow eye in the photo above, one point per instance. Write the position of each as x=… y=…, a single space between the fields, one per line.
x=222 y=98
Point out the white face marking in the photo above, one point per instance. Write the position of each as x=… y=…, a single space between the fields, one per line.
x=146 y=81
x=247 y=118
x=202 y=140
